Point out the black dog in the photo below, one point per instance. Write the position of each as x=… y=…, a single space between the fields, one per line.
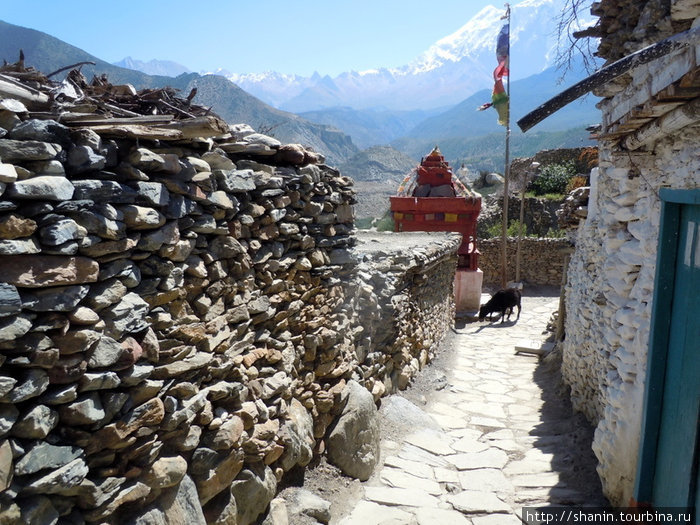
x=502 y=301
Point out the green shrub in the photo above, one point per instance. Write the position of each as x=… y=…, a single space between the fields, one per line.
x=385 y=223
x=553 y=178
x=514 y=225
x=553 y=233
x=365 y=223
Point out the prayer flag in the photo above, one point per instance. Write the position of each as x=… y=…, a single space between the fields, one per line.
x=499 y=97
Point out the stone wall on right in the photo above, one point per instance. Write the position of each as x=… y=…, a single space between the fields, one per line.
x=609 y=296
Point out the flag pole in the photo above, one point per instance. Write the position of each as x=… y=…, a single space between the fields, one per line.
x=506 y=171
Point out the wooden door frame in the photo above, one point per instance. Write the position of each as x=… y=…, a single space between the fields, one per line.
x=672 y=201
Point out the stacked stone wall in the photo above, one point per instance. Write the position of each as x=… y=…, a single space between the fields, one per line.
x=542 y=260
x=609 y=298
x=404 y=304
x=177 y=323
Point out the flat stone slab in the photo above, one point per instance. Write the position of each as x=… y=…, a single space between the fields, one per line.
x=445 y=475
x=533 y=347
x=544 y=479
x=488 y=479
x=370 y=513
x=527 y=467
x=399 y=479
x=501 y=519
x=478 y=502
x=493 y=387
x=414 y=453
x=506 y=444
x=440 y=517
x=491 y=458
x=432 y=441
x=486 y=422
x=485 y=409
x=450 y=421
x=466 y=433
x=401 y=497
x=412 y=467
x=469 y=444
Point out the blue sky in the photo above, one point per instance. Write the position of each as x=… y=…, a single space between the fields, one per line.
x=292 y=36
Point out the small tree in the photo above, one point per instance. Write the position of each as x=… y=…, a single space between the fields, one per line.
x=574 y=42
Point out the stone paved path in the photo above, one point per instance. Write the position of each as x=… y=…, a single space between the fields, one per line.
x=500 y=436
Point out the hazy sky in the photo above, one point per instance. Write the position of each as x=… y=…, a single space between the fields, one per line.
x=292 y=36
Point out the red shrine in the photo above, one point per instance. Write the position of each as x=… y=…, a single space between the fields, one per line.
x=434 y=201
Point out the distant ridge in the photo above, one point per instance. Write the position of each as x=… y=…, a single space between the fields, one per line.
x=47 y=54
x=166 y=68
x=450 y=70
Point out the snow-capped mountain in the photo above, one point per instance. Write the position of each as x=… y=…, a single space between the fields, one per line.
x=449 y=71
x=166 y=68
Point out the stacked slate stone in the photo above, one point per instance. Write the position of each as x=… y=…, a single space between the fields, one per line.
x=404 y=296
x=173 y=327
x=574 y=208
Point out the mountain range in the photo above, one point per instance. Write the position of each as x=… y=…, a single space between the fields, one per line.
x=412 y=107
x=445 y=74
x=47 y=54
x=166 y=68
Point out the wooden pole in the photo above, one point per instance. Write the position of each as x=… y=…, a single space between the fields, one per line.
x=504 y=226
x=518 y=255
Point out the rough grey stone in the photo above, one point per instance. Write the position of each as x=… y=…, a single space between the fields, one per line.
x=41 y=130
x=53 y=299
x=235 y=181
x=46 y=456
x=6 y=384
x=154 y=193
x=82 y=159
x=61 y=231
x=91 y=381
x=297 y=434
x=253 y=490
x=103 y=190
x=34 y=382
x=47 y=167
x=105 y=353
x=353 y=444
x=10 y=302
x=43 y=187
x=38 y=510
x=225 y=247
x=303 y=502
x=27 y=150
x=60 y=480
x=178 y=504
x=85 y=411
x=36 y=424
x=59 y=395
x=127 y=316
x=8 y=416
x=19 y=246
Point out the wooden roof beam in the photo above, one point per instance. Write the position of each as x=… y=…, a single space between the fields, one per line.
x=608 y=73
x=671 y=122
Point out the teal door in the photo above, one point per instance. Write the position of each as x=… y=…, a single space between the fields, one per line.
x=670 y=443
x=676 y=474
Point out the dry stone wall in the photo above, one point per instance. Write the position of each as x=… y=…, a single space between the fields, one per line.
x=542 y=260
x=404 y=303
x=178 y=322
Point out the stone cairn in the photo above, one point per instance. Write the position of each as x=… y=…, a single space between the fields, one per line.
x=176 y=326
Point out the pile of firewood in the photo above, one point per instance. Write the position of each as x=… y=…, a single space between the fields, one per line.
x=111 y=111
